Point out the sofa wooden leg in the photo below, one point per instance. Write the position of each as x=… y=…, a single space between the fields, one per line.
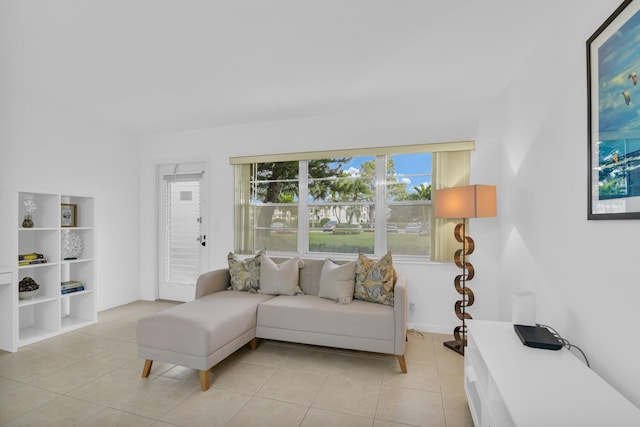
x=205 y=379
x=403 y=364
x=147 y=368
x=253 y=343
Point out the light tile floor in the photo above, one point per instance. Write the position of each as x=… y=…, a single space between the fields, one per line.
x=91 y=377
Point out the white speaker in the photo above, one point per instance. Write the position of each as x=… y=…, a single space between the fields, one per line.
x=524 y=308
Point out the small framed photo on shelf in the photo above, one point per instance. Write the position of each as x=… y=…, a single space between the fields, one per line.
x=69 y=215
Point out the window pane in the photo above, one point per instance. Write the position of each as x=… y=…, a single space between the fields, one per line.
x=274 y=182
x=341 y=203
x=342 y=180
x=274 y=206
x=341 y=228
x=274 y=192
x=409 y=177
x=408 y=229
x=281 y=231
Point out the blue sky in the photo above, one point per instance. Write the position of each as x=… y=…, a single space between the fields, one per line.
x=405 y=164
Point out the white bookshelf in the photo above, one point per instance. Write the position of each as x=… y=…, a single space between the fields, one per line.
x=49 y=312
x=509 y=384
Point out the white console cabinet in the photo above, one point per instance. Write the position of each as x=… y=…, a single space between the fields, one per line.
x=509 y=384
x=49 y=312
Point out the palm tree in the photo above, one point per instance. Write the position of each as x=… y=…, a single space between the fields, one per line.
x=423 y=192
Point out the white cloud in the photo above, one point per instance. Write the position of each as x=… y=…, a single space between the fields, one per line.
x=353 y=171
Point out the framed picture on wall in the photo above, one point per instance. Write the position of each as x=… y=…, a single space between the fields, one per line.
x=69 y=215
x=613 y=70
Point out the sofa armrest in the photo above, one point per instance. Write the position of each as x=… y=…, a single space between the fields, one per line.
x=213 y=281
x=400 y=314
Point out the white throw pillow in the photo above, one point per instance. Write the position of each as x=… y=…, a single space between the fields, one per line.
x=279 y=279
x=337 y=281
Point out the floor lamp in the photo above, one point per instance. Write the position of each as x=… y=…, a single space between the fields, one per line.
x=470 y=201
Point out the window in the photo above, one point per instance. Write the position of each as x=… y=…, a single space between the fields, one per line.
x=347 y=201
x=409 y=204
x=341 y=205
x=274 y=205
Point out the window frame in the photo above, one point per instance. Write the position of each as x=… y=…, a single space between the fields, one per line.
x=458 y=174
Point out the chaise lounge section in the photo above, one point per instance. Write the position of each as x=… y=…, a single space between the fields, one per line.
x=203 y=332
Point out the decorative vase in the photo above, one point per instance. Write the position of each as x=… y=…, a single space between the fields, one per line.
x=28 y=221
x=26 y=295
x=27 y=288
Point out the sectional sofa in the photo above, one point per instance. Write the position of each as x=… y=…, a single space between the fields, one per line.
x=310 y=301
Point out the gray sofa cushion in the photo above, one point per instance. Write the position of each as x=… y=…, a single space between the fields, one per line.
x=309 y=273
x=313 y=314
x=310 y=276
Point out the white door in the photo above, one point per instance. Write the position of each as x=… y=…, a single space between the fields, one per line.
x=183 y=252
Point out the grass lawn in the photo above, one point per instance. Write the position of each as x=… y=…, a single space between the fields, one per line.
x=400 y=243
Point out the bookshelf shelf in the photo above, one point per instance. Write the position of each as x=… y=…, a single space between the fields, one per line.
x=47 y=264
x=74 y=294
x=49 y=312
x=38 y=299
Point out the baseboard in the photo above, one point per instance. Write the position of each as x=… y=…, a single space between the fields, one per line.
x=433 y=328
x=117 y=304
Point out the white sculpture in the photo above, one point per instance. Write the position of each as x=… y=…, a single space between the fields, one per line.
x=29 y=203
x=72 y=245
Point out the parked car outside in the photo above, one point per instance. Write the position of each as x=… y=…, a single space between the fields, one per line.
x=329 y=226
x=413 y=227
x=392 y=227
x=279 y=227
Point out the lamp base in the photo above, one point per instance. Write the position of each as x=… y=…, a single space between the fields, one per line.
x=456 y=346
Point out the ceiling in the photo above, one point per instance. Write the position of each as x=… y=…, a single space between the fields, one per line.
x=148 y=66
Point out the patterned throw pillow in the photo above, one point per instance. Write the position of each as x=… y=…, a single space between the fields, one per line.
x=245 y=274
x=375 y=279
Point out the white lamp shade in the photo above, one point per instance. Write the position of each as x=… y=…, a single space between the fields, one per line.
x=469 y=201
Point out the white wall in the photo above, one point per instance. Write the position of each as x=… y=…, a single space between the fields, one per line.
x=410 y=123
x=583 y=272
x=45 y=149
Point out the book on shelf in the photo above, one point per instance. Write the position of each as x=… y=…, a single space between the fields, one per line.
x=71 y=290
x=71 y=284
x=32 y=262
x=31 y=256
